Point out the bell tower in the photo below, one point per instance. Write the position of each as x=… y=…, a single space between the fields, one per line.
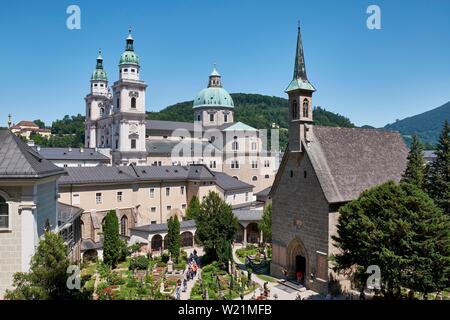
x=300 y=92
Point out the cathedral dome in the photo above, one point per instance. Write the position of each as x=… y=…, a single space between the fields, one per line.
x=129 y=57
x=213 y=97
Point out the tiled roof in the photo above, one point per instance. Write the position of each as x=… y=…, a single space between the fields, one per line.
x=248 y=215
x=228 y=183
x=161 y=227
x=183 y=148
x=348 y=161
x=25 y=123
x=160 y=125
x=17 y=160
x=100 y=174
x=239 y=126
x=71 y=154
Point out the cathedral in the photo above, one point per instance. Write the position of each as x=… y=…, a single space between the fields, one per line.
x=323 y=169
x=116 y=123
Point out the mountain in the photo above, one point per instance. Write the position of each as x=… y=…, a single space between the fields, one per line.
x=426 y=125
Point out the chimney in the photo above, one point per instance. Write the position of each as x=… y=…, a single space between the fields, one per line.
x=38 y=148
x=81 y=149
x=70 y=149
x=30 y=143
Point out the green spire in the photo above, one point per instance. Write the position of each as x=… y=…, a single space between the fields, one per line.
x=299 y=67
x=300 y=79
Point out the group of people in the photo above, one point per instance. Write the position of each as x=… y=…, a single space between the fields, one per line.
x=193 y=266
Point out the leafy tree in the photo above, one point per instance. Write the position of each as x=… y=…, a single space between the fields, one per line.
x=216 y=227
x=193 y=208
x=112 y=247
x=48 y=273
x=265 y=225
x=40 y=123
x=401 y=230
x=174 y=237
x=416 y=170
x=439 y=175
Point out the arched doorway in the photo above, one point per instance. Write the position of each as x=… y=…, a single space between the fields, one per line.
x=187 y=239
x=297 y=261
x=166 y=241
x=157 y=242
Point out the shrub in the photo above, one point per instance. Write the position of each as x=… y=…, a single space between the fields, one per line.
x=138 y=263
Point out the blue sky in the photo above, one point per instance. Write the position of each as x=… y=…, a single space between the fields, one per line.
x=371 y=76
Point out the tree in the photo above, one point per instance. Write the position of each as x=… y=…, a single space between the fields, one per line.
x=174 y=237
x=398 y=228
x=112 y=247
x=265 y=225
x=193 y=209
x=47 y=278
x=416 y=170
x=216 y=228
x=40 y=123
x=438 y=185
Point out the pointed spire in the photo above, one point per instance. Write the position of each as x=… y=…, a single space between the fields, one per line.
x=300 y=79
x=300 y=67
x=9 y=121
x=215 y=73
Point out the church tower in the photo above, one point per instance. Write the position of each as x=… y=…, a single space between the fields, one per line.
x=128 y=127
x=300 y=92
x=97 y=103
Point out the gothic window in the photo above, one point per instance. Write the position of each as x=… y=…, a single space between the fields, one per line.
x=4 y=214
x=294 y=109
x=133 y=103
x=305 y=108
x=133 y=143
x=123 y=225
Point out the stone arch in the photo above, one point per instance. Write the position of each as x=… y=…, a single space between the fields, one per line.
x=90 y=255
x=157 y=242
x=187 y=239
x=166 y=241
x=296 y=256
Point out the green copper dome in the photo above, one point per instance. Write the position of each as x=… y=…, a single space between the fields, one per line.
x=213 y=97
x=99 y=75
x=129 y=57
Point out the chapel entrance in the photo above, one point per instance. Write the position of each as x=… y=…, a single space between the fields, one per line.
x=300 y=268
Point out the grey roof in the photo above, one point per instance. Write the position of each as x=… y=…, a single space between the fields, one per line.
x=184 y=147
x=100 y=174
x=161 y=227
x=72 y=154
x=129 y=174
x=160 y=125
x=348 y=161
x=18 y=160
x=88 y=244
x=248 y=215
x=228 y=183
x=264 y=192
